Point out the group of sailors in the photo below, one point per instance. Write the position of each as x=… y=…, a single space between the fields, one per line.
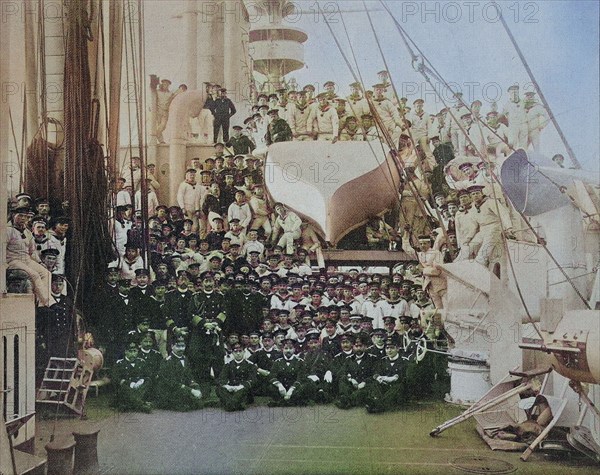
x=364 y=115
x=353 y=338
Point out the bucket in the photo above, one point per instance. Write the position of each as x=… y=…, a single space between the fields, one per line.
x=469 y=381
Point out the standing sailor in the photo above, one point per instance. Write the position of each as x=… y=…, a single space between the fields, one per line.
x=356 y=104
x=389 y=114
x=420 y=124
x=514 y=110
x=537 y=119
x=326 y=118
x=298 y=115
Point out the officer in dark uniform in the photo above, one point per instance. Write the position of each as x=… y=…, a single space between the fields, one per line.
x=319 y=374
x=54 y=327
x=339 y=360
x=264 y=359
x=151 y=359
x=223 y=109
x=216 y=234
x=177 y=302
x=389 y=325
x=206 y=351
x=228 y=191
x=377 y=349
x=356 y=377
x=176 y=388
x=243 y=308
x=331 y=341
x=141 y=295
x=278 y=130
x=156 y=305
x=420 y=375
x=242 y=145
x=288 y=376
x=128 y=381
x=388 y=391
x=236 y=381
x=115 y=324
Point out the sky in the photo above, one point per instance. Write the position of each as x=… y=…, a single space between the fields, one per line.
x=464 y=41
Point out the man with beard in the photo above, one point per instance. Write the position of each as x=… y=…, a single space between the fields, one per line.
x=287 y=378
x=207 y=314
x=242 y=145
x=243 y=308
x=357 y=105
x=278 y=129
x=177 y=302
x=115 y=322
x=356 y=375
x=40 y=234
x=377 y=349
x=54 y=326
x=222 y=109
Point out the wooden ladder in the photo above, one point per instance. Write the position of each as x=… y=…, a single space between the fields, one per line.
x=66 y=382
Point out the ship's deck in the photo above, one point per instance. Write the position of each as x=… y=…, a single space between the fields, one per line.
x=309 y=440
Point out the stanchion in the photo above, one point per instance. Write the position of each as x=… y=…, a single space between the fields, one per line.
x=60 y=457
x=86 y=452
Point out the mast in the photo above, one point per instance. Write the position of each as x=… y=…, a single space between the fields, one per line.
x=277 y=48
x=31 y=73
x=4 y=164
x=115 y=59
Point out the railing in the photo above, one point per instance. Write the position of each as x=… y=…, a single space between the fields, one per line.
x=17 y=361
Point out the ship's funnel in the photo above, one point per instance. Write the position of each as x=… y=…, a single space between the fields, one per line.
x=531 y=182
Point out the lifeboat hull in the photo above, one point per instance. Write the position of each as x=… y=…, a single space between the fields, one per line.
x=337 y=187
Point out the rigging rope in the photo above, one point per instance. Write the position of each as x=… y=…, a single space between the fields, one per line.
x=383 y=129
x=391 y=177
x=482 y=156
x=403 y=116
x=541 y=94
x=355 y=78
x=434 y=72
x=12 y=128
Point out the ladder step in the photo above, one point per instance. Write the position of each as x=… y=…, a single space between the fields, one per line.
x=49 y=380
x=50 y=390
